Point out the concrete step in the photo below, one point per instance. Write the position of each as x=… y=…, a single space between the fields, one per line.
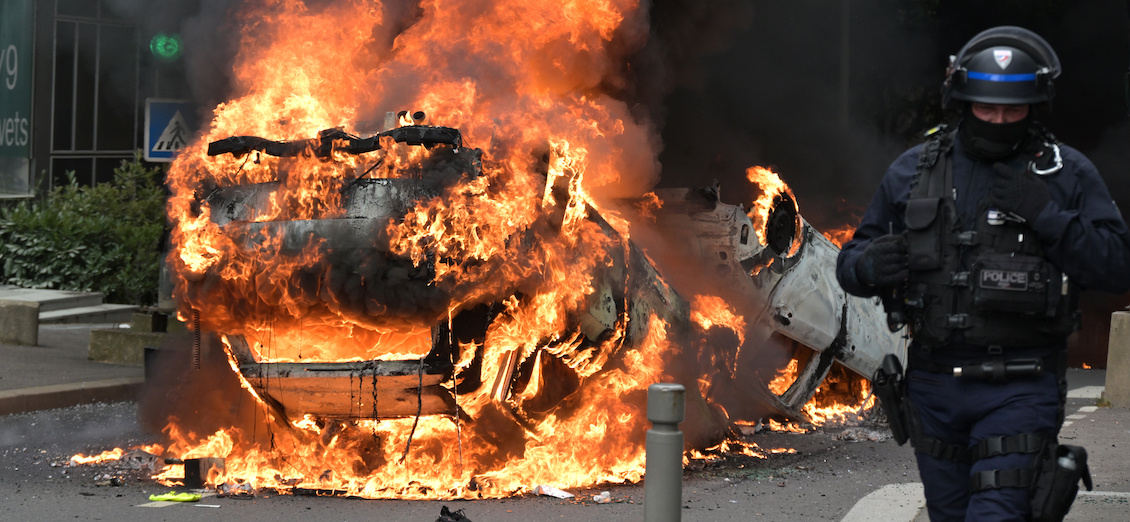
x=101 y=313
x=50 y=300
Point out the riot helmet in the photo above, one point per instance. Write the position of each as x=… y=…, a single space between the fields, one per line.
x=1004 y=65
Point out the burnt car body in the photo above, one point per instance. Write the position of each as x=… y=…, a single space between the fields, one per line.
x=784 y=284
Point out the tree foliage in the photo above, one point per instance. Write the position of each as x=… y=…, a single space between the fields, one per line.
x=103 y=238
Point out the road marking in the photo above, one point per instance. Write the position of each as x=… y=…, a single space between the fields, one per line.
x=1118 y=494
x=1086 y=392
x=158 y=504
x=890 y=502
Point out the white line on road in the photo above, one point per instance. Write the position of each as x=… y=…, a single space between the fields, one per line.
x=158 y=504
x=1086 y=392
x=890 y=502
x=1117 y=494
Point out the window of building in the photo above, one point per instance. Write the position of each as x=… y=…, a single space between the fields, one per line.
x=95 y=107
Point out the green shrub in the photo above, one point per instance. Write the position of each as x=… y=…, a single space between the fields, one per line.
x=103 y=238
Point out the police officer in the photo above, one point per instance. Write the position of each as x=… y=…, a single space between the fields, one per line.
x=977 y=240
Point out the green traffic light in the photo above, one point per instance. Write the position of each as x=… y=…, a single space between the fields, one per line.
x=167 y=47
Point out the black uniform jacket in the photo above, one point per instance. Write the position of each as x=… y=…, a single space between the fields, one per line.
x=1081 y=229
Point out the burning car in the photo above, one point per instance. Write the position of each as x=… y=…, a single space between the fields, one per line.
x=471 y=300
x=432 y=298
x=390 y=316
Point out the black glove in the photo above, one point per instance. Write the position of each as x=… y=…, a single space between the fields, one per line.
x=883 y=262
x=1019 y=192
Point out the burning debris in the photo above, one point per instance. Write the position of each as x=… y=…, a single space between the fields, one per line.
x=469 y=310
x=551 y=491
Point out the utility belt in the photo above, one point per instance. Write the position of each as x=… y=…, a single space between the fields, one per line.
x=991 y=363
x=1052 y=480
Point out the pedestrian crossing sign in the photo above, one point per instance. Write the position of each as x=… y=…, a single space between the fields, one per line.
x=167 y=127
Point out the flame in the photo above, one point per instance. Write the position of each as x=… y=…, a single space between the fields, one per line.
x=842 y=398
x=523 y=83
x=839 y=236
x=850 y=216
x=772 y=191
x=784 y=378
x=515 y=78
x=793 y=427
x=727 y=447
x=105 y=456
x=112 y=455
x=710 y=310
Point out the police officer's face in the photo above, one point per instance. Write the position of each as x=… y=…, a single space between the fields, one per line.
x=997 y=113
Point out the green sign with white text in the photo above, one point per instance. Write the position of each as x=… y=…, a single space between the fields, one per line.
x=17 y=18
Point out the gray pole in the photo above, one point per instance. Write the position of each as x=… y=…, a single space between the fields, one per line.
x=663 y=479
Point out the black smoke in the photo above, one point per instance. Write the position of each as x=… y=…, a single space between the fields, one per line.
x=826 y=93
x=829 y=93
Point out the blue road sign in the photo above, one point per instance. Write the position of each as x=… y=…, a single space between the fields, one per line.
x=167 y=128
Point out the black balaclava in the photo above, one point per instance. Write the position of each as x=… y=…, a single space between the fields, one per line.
x=992 y=141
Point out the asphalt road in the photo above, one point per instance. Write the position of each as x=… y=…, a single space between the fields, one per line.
x=826 y=473
x=829 y=470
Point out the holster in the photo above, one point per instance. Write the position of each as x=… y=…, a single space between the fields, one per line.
x=890 y=387
x=1058 y=472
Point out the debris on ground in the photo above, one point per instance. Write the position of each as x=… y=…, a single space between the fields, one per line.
x=173 y=496
x=446 y=515
x=140 y=459
x=235 y=490
x=860 y=434
x=603 y=498
x=107 y=480
x=551 y=491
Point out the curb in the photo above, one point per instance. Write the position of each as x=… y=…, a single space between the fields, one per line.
x=66 y=395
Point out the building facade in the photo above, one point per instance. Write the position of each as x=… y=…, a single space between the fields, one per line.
x=74 y=78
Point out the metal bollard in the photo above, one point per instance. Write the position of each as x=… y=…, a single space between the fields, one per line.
x=663 y=478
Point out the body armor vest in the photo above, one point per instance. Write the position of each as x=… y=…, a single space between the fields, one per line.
x=989 y=286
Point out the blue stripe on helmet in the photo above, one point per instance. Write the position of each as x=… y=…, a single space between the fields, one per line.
x=974 y=75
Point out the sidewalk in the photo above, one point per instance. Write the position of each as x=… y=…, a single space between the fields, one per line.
x=1105 y=433
x=57 y=373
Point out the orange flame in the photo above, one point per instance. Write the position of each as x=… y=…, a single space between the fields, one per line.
x=784 y=378
x=774 y=196
x=839 y=236
x=112 y=455
x=523 y=83
x=771 y=187
x=709 y=310
x=515 y=77
x=105 y=456
x=840 y=399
